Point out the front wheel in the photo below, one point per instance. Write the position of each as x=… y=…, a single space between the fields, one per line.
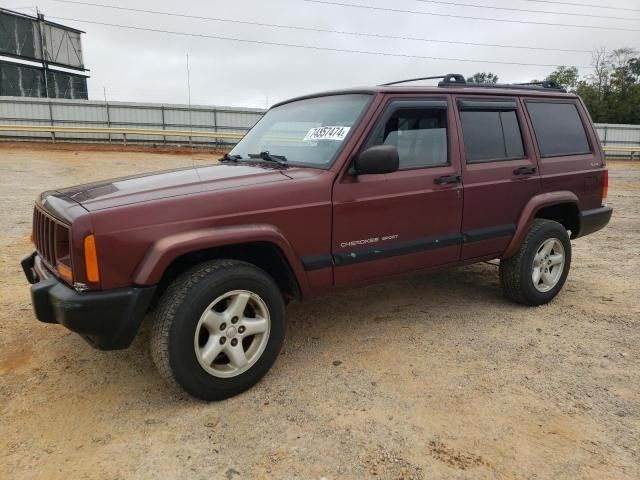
x=538 y=270
x=218 y=329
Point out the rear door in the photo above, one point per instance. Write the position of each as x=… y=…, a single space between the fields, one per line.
x=409 y=219
x=570 y=158
x=499 y=171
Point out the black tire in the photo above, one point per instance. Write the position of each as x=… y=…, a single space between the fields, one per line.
x=516 y=271
x=177 y=318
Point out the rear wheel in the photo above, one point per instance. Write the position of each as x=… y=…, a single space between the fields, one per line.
x=218 y=329
x=538 y=270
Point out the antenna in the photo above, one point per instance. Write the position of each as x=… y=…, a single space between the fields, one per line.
x=106 y=106
x=193 y=160
x=189 y=101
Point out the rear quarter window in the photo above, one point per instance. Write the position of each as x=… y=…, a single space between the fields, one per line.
x=558 y=128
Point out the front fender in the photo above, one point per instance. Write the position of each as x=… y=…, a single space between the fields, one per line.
x=167 y=249
x=529 y=212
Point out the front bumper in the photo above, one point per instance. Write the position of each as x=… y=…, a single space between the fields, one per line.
x=108 y=320
x=593 y=220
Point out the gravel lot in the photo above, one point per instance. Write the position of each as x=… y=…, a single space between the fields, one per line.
x=429 y=377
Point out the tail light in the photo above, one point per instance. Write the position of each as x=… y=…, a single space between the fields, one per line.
x=605 y=185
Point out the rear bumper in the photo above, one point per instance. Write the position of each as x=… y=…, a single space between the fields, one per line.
x=593 y=220
x=108 y=320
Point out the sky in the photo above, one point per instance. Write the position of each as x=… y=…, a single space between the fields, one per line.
x=145 y=66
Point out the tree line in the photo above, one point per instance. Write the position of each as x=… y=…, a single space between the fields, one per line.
x=611 y=91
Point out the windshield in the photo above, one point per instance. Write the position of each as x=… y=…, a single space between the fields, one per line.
x=306 y=132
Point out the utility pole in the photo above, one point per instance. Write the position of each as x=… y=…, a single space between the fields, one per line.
x=106 y=105
x=43 y=52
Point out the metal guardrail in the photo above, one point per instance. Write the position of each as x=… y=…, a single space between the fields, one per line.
x=631 y=150
x=120 y=131
x=613 y=148
x=186 y=133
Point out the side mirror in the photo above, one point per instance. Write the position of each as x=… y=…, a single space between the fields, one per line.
x=377 y=159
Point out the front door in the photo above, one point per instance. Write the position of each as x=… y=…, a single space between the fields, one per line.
x=499 y=171
x=409 y=219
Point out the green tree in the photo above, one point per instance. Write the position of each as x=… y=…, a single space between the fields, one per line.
x=483 y=77
x=634 y=69
x=612 y=90
x=566 y=77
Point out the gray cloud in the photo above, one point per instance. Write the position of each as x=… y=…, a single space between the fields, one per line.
x=145 y=66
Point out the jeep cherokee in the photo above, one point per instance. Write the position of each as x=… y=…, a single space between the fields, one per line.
x=326 y=191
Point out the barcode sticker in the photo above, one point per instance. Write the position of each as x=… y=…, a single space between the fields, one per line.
x=327 y=133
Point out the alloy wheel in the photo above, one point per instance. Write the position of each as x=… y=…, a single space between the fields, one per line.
x=232 y=333
x=548 y=265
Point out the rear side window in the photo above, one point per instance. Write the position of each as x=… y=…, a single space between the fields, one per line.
x=491 y=132
x=558 y=128
x=419 y=134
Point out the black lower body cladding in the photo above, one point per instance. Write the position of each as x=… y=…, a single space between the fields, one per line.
x=593 y=220
x=108 y=320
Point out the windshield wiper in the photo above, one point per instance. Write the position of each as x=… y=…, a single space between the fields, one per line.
x=280 y=159
x=230 y=158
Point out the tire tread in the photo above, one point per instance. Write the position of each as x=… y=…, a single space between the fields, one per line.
x=165 y=312
x=512 y=270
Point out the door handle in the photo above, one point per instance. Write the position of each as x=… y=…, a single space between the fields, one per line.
x=448 y=179
x=524 y=171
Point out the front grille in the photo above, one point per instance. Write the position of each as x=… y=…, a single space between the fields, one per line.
x=50 y=236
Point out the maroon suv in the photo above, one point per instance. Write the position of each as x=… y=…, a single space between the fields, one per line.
x=327 y=191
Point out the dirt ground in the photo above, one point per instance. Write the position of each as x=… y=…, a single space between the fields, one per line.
x=430 y=377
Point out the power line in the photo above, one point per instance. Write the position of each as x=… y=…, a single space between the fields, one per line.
x=491 y=7
x=591 y=5
x=32 y=7
x=309 y=47
x=439 y=2
x=319 y=30
x=449 y=15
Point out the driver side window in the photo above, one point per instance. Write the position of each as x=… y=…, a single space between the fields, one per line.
x=419 y=134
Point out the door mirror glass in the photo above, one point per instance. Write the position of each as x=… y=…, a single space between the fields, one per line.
x=378 y=159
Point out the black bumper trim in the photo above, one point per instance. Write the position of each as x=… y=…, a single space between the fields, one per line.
x=108 y=320
x=593 y=220
x=27 y=264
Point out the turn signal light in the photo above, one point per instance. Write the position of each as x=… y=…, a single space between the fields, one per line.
x=605 y=185
x=91 y=259
x=65 y=272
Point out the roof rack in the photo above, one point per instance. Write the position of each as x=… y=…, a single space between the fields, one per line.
x=544 y=84
x=458 y=80
x=450 y=77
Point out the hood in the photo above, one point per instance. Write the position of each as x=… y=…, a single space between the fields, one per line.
x=153 y=186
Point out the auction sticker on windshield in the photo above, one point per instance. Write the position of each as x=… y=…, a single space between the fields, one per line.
x=327 y=133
